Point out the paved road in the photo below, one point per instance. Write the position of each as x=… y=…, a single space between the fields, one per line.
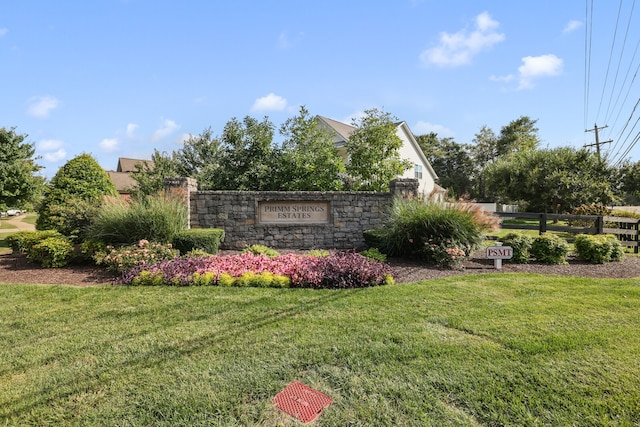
x=17 y=221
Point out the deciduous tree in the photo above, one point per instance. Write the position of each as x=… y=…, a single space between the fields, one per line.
x=373 y=151
x=309 y=160
x=248 y=160
x=551 y=180
x=451 y=161
x=20 y=187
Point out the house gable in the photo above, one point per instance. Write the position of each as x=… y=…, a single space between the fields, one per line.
x=129 y=165
x=410 y=150
x=122 y=178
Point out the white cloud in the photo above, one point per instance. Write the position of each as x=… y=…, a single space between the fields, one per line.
x=355 y=117
x=41 y=106
x=271 y=102
x=459 y=48
x=283 y=41
x=502 y=79
x=534 y=67
x=110 y=145
x=184 y=138
x=3 y=31
x=131 y=129
x=167 y=128
x=49 y=144
x=572 y=26
x=423 y=127
x=55 y=156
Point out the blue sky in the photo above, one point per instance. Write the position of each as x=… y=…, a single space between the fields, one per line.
x=120 y=78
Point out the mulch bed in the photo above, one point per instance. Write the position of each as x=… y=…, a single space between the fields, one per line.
x=16 y=269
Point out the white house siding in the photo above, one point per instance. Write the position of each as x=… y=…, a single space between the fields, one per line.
x=409 y=152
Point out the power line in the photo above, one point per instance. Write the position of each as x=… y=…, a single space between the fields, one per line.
x=588 y=33
x=606 y=76
x=624 y=44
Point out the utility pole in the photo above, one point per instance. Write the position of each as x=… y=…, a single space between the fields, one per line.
x=597 y=144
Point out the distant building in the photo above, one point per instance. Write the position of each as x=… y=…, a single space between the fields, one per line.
x=122 y=178
x=410 y=150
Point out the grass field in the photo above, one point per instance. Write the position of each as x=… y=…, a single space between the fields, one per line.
x=474 y=350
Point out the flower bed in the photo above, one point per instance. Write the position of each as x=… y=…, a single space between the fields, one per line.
x=338 y=270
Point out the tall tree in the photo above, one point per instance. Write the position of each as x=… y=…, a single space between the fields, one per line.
x=20 y=187
x=517 y=136
x=373 y=150
x=309 y=160
x=150 y=176
x=199 y=158
x=451 y=161
x=248 y=160
x=629 y=174
x=520 y=134
x=553 y=180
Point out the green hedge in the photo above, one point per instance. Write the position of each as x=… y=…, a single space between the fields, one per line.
x=23 y=241
x=598 y=249
x=206 y=239
x=550 y=249
x=521 y=245
x=51 y=252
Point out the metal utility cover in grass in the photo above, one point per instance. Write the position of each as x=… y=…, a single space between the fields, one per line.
x=302 y=402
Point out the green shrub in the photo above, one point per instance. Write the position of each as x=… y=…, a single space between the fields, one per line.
x=249 y=279
x=22 y=241
x=374 y=254
x=205 y=239
x=156 y=218
x=261 y=249
x=521 y=245
x=127 y=257
x=319 y=252
x=438 y=233
x=89 y=249
x=374 y=237
x=148 y=278
x=51 y=252
x=598 y=249
x=550 y=249
x=262 y=280
x=69 y=199
x=196 y=253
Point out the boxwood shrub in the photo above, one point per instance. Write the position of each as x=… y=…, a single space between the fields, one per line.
x=22 y=241
x=550 y=249
x=521 y=245
x=598 y=249
x=205 y=239
x=51 y=252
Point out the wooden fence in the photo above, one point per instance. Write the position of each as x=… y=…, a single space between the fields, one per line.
x=625 y=229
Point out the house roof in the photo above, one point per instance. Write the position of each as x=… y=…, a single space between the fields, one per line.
x=129 y=165
x=122 y=180
x=342 y=130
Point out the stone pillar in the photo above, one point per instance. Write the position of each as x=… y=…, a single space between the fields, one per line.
x=404 y=187
x=183 y=187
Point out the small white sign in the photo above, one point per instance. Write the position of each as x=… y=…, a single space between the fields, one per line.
x=499 y=252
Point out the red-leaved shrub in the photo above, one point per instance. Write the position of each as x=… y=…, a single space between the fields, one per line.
x=338 y=270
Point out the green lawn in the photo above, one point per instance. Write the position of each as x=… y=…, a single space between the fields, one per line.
x=494 y=349
x=5 y=225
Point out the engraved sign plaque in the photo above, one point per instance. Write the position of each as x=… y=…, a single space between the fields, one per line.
x=293 y=212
